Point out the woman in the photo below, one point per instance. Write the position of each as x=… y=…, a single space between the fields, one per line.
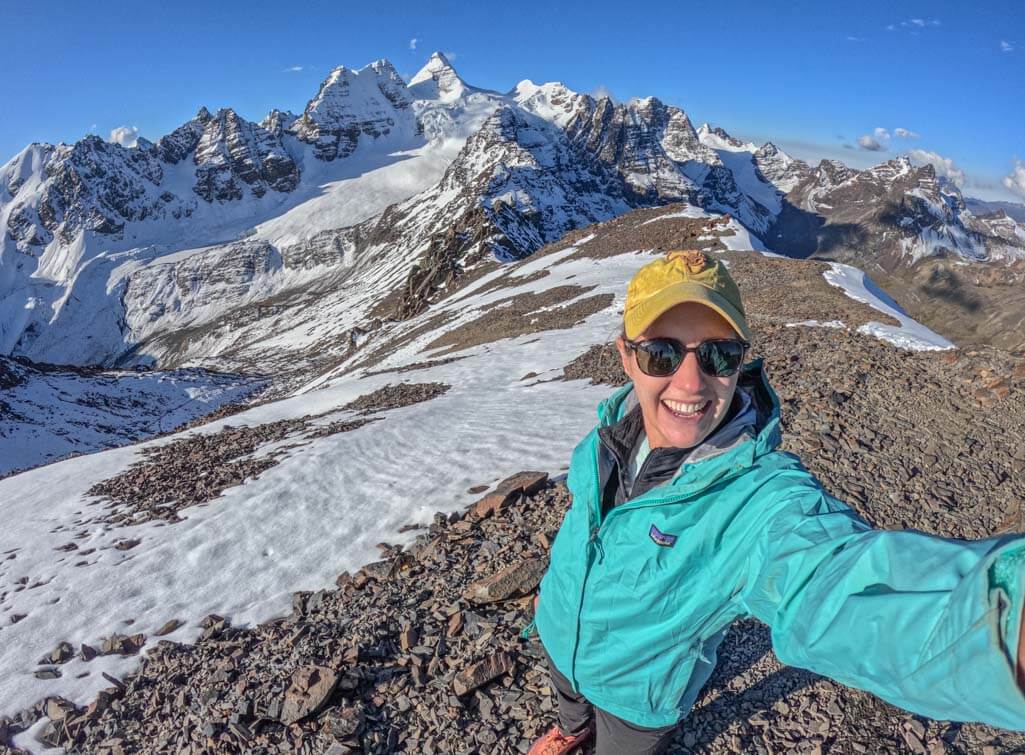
x=685 y=516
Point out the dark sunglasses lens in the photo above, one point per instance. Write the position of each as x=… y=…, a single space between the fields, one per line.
x=720 y=358
x=659 y=357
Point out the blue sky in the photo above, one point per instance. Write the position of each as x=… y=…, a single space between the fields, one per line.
x=811 y=76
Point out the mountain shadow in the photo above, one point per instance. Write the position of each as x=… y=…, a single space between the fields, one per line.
x=802 y=234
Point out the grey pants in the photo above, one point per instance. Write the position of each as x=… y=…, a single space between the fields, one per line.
x=613 y=735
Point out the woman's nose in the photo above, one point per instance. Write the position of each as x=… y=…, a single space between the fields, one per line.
x=689 y=378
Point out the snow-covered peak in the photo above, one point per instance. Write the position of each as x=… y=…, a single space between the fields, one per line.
x=554 y=101
x=25 y=166
x=372 y=101
x=894 y=169
x=778 y=168
x=277 y=121
x=771 y=151
x=438 y=80
x=174 y=147
x=391 y=84
x=717 y=138
x=348 y=93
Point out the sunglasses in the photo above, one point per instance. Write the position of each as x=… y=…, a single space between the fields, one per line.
x=661 y=357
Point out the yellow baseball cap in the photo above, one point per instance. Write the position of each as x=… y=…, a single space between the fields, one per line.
x=679 y=277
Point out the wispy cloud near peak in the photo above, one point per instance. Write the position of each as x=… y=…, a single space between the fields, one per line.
x=943 y=166
x=869 y=144
x=126 y=136
x=1015 y=180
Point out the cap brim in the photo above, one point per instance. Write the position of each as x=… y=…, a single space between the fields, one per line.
x=644 y=314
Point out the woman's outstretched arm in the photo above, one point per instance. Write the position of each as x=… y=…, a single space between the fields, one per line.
x=927 y=623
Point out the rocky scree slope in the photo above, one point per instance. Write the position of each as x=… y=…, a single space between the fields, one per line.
x=421 y=652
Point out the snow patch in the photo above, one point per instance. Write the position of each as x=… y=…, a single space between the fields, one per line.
x=910 y=334
x=817 y=324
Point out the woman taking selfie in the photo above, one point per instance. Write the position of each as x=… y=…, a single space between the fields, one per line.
x=686 y=516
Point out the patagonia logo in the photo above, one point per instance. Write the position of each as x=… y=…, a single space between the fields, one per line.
x=661 y=538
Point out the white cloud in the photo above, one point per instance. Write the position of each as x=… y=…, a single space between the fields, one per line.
x=92 y=127
x=879 y=139
x=1015 y=180
x=851 y=38
x=451 y=56
x=891 y=27
x=944 y=165
x=126 y=136
x=1006 y=46
x=603 y=91
x=412 y=43
x=916 y=23
x=293 y=69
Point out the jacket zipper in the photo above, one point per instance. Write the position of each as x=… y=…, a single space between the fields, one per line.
x=594 y=545
x=592 y=541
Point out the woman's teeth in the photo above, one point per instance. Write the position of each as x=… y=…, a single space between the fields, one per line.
x=678 y=407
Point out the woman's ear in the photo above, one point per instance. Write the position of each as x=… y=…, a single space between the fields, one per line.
x=624 y=357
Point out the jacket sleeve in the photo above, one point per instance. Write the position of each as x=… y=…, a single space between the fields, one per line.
x=927 y=623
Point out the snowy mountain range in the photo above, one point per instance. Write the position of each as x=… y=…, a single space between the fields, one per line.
x=280 y=244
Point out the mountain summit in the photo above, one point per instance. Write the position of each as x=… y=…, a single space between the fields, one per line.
x=404 y=188
x=438 y=80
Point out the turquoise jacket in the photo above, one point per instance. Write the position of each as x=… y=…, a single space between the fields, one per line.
x=633 y=606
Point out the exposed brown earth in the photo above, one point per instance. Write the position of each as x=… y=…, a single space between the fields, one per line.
x=524 y=314
x=599 y=364
x=970 y=303
x=662 y=233
x=395 y=396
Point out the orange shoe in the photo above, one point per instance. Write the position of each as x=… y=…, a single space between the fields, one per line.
x=554 y=742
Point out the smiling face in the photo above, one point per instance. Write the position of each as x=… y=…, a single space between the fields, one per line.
x=681 y=410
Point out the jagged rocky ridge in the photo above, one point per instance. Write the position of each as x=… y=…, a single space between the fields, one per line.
x=94 y=222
